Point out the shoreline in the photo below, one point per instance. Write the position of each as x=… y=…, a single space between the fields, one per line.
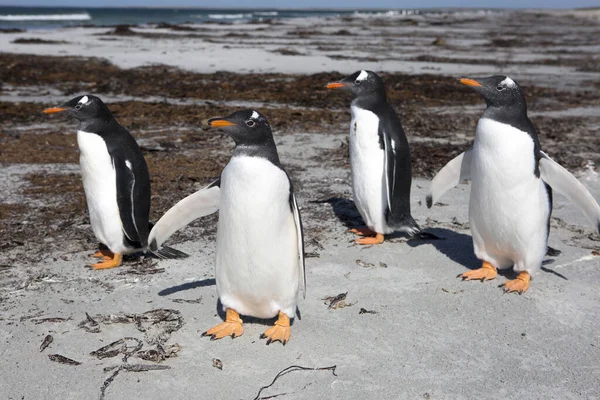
x=402 y=44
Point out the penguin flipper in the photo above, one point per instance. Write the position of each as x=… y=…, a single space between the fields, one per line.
x=456 y=171
x=398 y=176
x=168 y=252
x=133 y=204
x=566 y=184
x=199 y=204
x=300 y=236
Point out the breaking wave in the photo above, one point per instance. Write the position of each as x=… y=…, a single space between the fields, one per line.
x=266 y=13
x=46 y=17
x=229 y=16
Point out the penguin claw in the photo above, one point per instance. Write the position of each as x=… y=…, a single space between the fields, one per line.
x=377 y=239
x=518 y=285
x=104 y=254
x=486 y=273
x=109 y=262
x=281 y=331
x=362 y=231
x=231 y=327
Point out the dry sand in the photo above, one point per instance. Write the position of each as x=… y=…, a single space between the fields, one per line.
x=407 y=329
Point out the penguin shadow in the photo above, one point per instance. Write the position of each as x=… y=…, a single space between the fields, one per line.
x=219 y=307
x=552 y=253
x=456 y=246
x=344 y=209
x=187 y=286
x=459 y=248
x=346 y=212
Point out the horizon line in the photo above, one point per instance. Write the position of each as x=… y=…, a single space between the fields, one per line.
x=297 y=8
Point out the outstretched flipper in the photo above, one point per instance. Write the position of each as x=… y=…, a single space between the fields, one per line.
x=202 y=203
x=566 y=184
x=456 y=171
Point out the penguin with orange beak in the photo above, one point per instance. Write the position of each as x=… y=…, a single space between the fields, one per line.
x=380 y=161
x=260 y=250
x=511 y=186
x=115 y=180
x=260 y=246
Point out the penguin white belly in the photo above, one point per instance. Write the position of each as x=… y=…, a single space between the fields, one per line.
x=509 y=206
x=367 y=161
x=257 y=269
x=100 y=186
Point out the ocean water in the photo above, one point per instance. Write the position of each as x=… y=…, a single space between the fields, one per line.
x=55 y=17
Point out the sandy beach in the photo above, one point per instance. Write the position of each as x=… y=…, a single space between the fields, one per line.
x=407 y=328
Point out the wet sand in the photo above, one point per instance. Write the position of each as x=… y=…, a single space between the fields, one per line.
x=162 y=83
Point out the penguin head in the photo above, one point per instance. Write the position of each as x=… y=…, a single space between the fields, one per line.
x=361 y=83
x=83 y=108
x=498 y=91
x=244 y=127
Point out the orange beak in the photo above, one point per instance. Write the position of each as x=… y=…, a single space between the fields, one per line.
x=335 y=85
x=53 y=110
x=219 y=123
x=470 y=82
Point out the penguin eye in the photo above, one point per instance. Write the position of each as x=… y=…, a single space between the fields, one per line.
x=500 y=88
x=357 y=82
x=78 y=107
x=250 y=123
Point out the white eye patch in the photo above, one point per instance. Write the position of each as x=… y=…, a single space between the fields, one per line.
x=254 y=115
x=83 y=100
x=362 y=76
x=508 y=82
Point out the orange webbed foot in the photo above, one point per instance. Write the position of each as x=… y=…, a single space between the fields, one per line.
x=231 y=327
x=109 y=262
x=362 y=231
x=487 y=272
x=377 y=239
x=519 y=285
x=281 y=331
x=104 y=254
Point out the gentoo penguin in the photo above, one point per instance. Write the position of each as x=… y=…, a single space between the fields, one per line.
x=379 y=161
x=511 y=186
x=260 y=250
x=115 y=180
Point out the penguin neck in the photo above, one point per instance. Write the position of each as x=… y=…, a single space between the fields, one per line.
x=370 y=101
x=98 y=125
x=265 y=149
x=515 y=116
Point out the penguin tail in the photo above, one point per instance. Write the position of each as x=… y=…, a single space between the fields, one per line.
x=408 y=225
x=426 y=236
x=552 y=252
